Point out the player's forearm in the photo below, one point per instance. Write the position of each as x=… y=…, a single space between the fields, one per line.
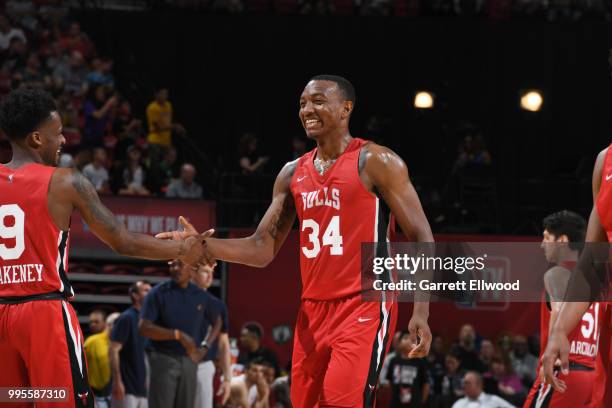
x=247 y=251
x=421 y=309
x=569 y=316
x=147 y=247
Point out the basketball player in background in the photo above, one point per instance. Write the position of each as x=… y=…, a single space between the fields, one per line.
x=561 y=240
x=599 y=229
x=338 y=191
x=41 y=343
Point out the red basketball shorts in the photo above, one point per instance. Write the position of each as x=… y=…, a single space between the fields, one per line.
x=41 y=345
x=578 y=393
x=338 y=351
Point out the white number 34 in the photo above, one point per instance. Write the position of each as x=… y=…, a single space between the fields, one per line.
x=331 y=237
x=16 y=231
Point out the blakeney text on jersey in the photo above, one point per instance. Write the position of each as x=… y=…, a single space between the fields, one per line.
x=21 y=273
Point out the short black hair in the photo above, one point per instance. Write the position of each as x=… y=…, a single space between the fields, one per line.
x=102 y=312
x=254 y=328
x=348 y=90
x=133 y=289
x=566 y=223
x=24 y=110
x=258 y=361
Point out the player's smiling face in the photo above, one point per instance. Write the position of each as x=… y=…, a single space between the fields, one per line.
x=51 y=140
x=322 y=108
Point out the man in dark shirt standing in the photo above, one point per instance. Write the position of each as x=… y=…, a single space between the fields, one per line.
x=408 y=377
x=127 y=354
x=250 y=340
x=181 y=320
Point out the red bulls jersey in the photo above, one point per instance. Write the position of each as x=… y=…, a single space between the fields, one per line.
x=33 y=251
x=336 y=213
x=583 y=339
x=602 y=391
x=604 y=198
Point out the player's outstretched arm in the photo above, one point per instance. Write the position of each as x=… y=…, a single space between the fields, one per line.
x=570 y=313
x=388 y=174
x=70 y=187
x=259 y=249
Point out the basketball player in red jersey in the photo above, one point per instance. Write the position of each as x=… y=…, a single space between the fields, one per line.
x=41 y=344
x=337 y=191
x=561 y=241
x=599 y=229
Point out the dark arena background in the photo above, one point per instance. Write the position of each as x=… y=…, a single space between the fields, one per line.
x=485 y=167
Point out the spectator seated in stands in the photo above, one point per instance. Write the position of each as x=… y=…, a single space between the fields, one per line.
x=524 y=363
x=69 y=74
x=15 y=58
x=159 y=120
x=250 y=342
x=251 y=388
x=76 y=40
x=436 y=360
x=475 y=397
x=8 y=32
x=98 y=109
x=126 y=128
x=101 y=73
x=133 y=174
x=33 y=75
x=467 y=349
x=96 y=171
x=451 y=385
x=487 y=351
x=185 y=187
x=509 y=384
x=250 y=161
x=409 y=377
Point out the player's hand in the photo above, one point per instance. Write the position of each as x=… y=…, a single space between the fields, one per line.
x=420 y=337
x=188 y=231
x=118 y=390
x=556 y=349
x=188 y=343
x=196 y=251
x=225 y=390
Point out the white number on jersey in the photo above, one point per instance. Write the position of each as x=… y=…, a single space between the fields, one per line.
x=590 y=319
x=16 y=231
x=331 y=237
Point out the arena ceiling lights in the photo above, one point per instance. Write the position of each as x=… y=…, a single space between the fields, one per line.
x=531 y=100
x=424 y=100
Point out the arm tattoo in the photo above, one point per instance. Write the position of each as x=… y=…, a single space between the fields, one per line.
x=89 y=195
x=282 y=217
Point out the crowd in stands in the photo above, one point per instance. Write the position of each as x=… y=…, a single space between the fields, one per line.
x=41 y=47
x=471 y=368
x=490 y=9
